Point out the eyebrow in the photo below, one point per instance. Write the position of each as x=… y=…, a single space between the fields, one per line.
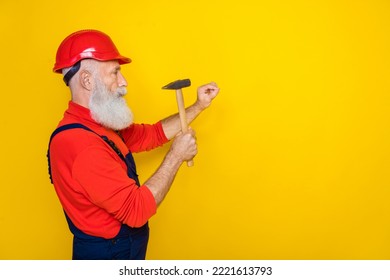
x=116 y=69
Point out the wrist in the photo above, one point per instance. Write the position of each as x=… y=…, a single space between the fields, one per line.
x=199 y=106
x=173 y=159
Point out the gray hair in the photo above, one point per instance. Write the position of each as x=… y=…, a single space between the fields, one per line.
x=91 y=65
x=65 y=70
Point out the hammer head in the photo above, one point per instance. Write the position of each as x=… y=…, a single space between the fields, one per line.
x=178 y=84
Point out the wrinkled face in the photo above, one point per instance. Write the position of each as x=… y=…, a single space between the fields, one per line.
x=111 y=75
x=107 y=104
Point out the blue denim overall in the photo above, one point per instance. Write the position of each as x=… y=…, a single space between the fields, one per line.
x=130 y=243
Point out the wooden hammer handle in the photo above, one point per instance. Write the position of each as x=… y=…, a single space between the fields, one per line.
x=183 y=117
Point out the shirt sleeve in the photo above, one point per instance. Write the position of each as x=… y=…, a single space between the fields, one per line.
x=144 y=137
x=104 y=180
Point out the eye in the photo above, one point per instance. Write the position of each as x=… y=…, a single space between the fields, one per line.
x=115 y=71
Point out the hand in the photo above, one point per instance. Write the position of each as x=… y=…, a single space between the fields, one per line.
x=184 y=146
x=206 y=94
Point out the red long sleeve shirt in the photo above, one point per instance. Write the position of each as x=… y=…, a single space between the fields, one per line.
x=91 y=180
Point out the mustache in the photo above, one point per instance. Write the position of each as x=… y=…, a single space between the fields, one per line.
x=121 y=91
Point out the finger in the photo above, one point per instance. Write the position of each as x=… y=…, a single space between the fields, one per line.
x=180 y=133
x=210 y=89
x=191 y=131
x=209 y=85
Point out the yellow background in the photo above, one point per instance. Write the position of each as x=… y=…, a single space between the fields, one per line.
x=294 y=153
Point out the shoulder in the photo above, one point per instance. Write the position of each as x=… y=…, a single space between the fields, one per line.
x=74 y=139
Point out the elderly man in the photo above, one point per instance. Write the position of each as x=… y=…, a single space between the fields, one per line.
x=90 y=158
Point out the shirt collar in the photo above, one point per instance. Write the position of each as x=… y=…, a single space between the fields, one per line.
x=81 y=112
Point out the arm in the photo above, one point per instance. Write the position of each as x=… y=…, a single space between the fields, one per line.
x=206 y=93
x=144 y=137
x=103 y=180
x=183 y=149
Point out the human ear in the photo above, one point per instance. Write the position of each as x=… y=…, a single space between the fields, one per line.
x=85 y=80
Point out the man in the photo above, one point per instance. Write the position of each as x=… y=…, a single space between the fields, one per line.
x=90 y=158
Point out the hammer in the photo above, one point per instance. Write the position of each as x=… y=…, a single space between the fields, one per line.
x=178 y=85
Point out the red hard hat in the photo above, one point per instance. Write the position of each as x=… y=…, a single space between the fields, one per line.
x=86 y=44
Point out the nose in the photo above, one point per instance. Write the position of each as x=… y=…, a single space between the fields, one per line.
x=121 y=80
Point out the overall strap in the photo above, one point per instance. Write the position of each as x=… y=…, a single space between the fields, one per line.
x=129 y=160
x=69 y=126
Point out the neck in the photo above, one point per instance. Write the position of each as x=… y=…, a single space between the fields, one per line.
x=81 y=97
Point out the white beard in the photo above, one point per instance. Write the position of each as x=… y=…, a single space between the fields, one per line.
x=109 y=108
